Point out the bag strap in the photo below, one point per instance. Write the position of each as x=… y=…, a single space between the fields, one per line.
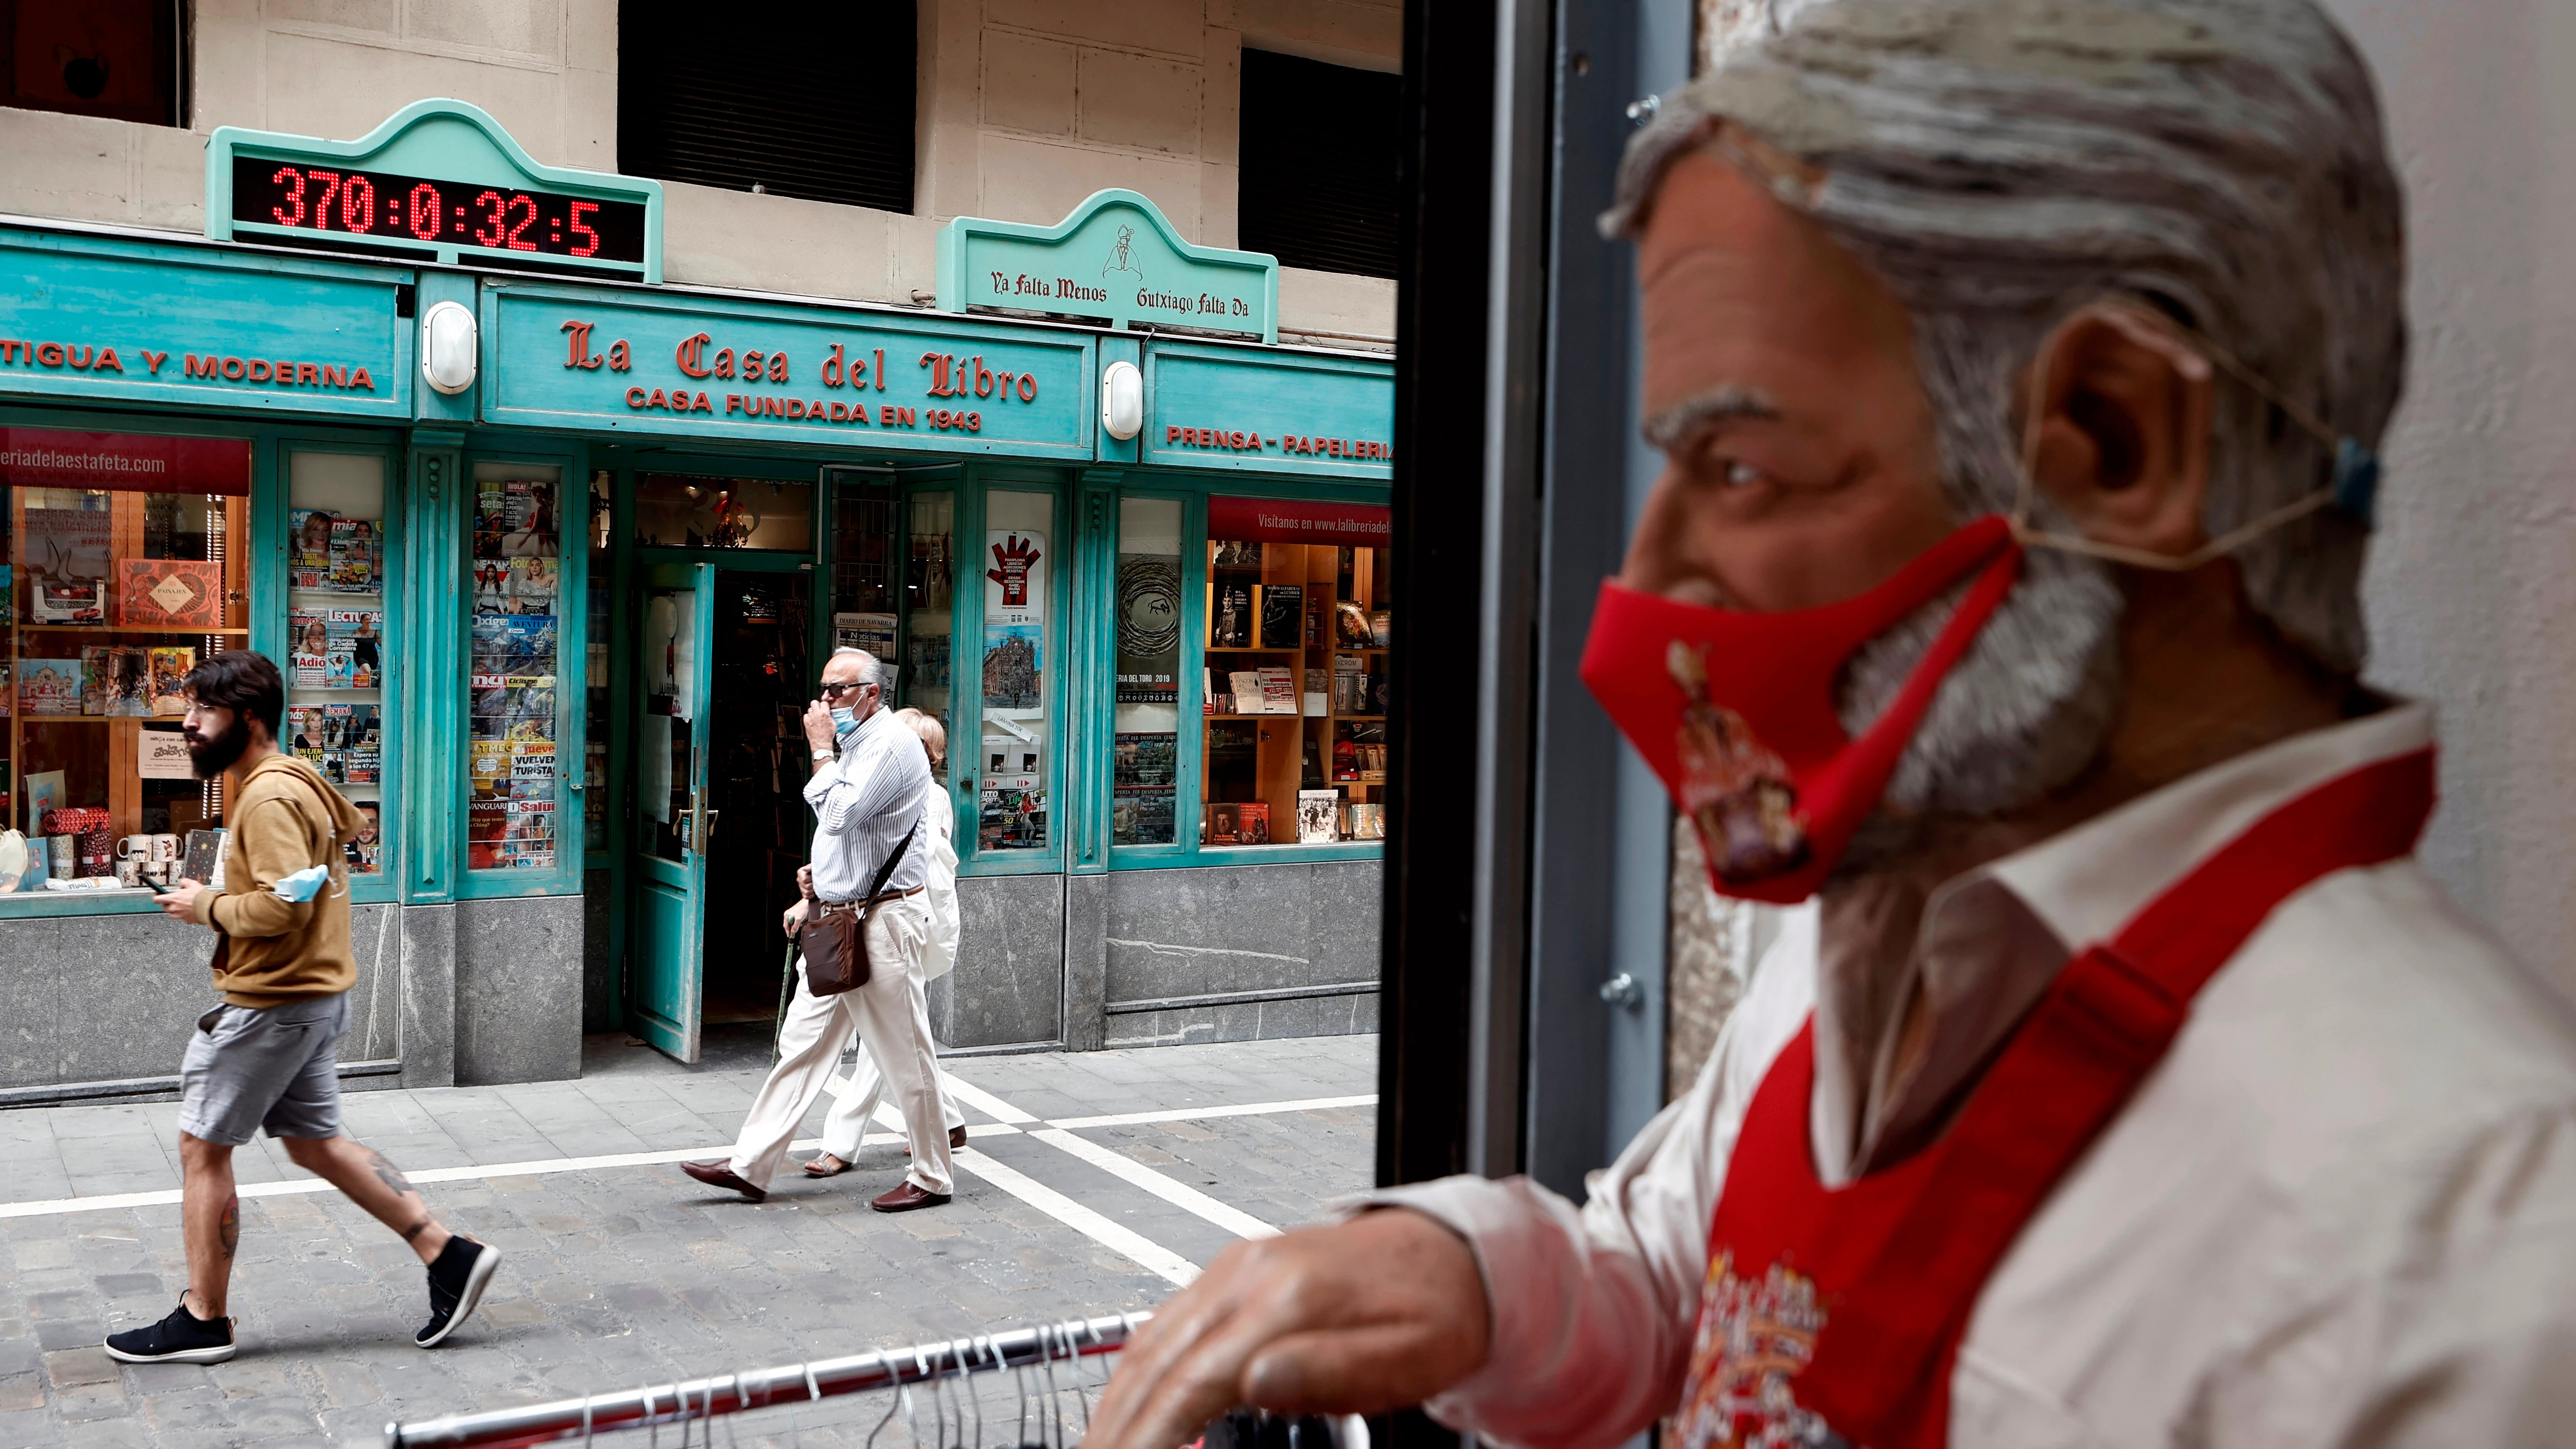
x=885 y=872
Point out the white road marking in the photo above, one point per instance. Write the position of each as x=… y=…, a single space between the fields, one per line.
x=1123 y=1240
x=983 y=1101
x=1192 y=1114
x=1189 y=1199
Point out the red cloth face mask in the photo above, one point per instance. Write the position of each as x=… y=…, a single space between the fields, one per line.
x=1735 y=710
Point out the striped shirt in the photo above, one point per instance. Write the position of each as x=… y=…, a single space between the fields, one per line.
x=864 y=803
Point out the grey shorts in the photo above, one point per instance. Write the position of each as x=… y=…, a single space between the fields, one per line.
x=276 y=1067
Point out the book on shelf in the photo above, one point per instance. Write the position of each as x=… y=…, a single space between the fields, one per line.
x=1351 y=625
x=203 y=859
x=1245 y=687
x=1230 y=616
x=1278 y=689
x=1316 y=811
x=1318 y=691
x=116 y=681
x=1283 y=616
x=1252 y=825
x=1368 y=822
x=170 y=668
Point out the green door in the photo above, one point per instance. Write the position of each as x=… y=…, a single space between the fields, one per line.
x=675 y=612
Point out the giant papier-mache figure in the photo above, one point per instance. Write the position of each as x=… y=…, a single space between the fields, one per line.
x=2019 y=368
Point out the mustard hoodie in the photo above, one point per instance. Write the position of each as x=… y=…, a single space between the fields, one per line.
x=284 y=818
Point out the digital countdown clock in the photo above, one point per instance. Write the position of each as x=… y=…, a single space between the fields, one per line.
x=380 y=204
x=439 y=181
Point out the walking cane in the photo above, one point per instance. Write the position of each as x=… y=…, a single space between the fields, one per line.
x=787 y=974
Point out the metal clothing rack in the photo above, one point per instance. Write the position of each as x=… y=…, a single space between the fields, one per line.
x=580 y=1419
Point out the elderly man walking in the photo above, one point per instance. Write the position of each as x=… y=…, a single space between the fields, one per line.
x=870 y=779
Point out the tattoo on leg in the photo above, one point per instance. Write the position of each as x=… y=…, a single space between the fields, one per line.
x=229 y=1228
x=388 y=1174
x=416 y=1229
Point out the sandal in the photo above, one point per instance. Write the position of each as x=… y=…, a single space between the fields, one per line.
x=814 y=1167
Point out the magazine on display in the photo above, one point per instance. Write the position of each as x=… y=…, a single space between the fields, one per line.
x=1317 y=816
x=364 y=849
x=515 y=518
x=336 y=648
x=514 y=643
x=335 y=555
x=514 y=707
x=49 y=686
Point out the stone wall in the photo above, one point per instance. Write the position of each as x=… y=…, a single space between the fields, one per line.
x=1026 y=107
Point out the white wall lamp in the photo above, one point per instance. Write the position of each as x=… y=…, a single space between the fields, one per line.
x=448 y=347
x=1122 y=400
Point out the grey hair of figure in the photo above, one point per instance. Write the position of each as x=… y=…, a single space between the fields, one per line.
x=871 y=671
x=2001 y=164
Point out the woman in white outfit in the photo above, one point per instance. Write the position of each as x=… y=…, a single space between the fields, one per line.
x=858 y=1104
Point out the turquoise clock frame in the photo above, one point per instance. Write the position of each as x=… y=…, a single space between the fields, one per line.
x=444 y=140
x=1115 y=257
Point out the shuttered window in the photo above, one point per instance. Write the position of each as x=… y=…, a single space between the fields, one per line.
x=1319 y=164
x=806 y=100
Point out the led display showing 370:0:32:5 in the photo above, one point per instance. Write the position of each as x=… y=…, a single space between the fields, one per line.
x=447 y=213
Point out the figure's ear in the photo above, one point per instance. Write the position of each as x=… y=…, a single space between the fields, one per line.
x=2122 y=428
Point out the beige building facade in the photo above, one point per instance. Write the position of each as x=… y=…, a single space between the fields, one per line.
x=1023 y=108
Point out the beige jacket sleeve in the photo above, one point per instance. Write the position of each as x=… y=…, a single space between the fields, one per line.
x=270 y=842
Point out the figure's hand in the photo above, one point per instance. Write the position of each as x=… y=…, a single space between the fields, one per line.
x=818 y=725
x=805 y=881
x=179 y=903
x=794 y=919
x=1377 y=1313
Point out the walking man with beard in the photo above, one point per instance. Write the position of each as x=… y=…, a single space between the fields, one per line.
x=2018 y=370
x=267 y=1056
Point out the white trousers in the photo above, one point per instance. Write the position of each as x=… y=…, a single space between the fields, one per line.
x=850 y=1116
x=892 y=1017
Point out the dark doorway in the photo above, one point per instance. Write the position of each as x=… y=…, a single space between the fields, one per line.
x=755 y=781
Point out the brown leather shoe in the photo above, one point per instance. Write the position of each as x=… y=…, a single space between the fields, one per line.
x=956 y=1139
x=721 y=1174
x=906 y=1197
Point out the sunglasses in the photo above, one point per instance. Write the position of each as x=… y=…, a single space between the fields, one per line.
x=834 y=691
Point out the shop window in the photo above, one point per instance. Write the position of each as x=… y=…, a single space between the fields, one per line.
x=125 y=563
x=930 y=587
x=685 y=511
x=1319 y=177
x=515 y=714
x=336 y=629
x=819 y=108
x=113 y=58
x=1294 y=687
x=1144 y=773
x=1018 y=648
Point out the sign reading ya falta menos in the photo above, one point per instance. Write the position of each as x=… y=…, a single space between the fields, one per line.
x=571 y=356
x=1116 y=258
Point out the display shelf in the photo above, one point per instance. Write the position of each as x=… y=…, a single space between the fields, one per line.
x=187 y=632
x=1275 y=604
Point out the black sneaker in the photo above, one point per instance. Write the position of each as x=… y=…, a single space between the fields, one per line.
x=456 y=1283
x=182 y=1337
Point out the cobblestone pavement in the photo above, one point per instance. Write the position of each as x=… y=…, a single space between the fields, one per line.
x=620 y=1275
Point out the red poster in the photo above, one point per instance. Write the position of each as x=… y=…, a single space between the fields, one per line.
x=124 y=462
x=1284 y=520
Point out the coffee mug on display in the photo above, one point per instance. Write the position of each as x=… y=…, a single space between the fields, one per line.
x=129 y=871
x=61 y=850
x=134 y=847
x=165 y=848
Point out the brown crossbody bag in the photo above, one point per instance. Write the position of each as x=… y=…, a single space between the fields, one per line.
x=834 y=938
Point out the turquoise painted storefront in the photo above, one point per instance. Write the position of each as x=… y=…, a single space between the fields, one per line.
x=889 y=421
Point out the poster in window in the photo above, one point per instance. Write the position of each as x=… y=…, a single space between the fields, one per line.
x=1015 y=587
